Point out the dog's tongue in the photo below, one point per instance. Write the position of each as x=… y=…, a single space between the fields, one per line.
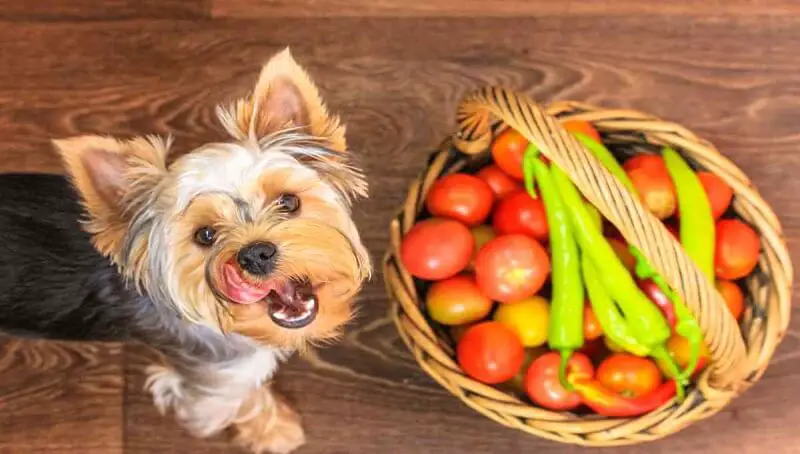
x=241 y=291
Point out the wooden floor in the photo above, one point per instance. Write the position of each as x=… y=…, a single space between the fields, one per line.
x=728 y=69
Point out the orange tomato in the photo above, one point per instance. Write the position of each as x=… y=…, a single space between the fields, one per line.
x=733 y=296
x=456 y=301
x=501 y=184
x=678 y=348
x=655 y=190
x=528 y=318
x=583 y=127
x=629 y=375
x=718 y=192
x=737 y=249
x=591 y=326
x=507 y=151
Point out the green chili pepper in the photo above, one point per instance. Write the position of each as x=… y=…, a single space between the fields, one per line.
x=566 y=308
x=697 y=222
x=608 y=315
x=644 y=319
x=605 y=156
x=686 y=325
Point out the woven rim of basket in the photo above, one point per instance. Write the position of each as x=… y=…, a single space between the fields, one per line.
x=737 y=361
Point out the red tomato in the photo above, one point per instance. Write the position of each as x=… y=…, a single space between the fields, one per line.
x=591 y=326
x=733 y=296
x=544 y=387
x=511 y=267
x=583 y=127
x=652 y=162
x=507 y=151
x=462 y=197
x=521 y=213
x=655 y=190
x=501 y=184
x=737 y=249
x=457 y=301
x=489 y=352
x=719 y=193
x=437 y=249
x=629 y=375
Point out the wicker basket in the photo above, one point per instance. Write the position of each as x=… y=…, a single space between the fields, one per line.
x=739 y=354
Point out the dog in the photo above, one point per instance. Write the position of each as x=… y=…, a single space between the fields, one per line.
x=226 y=259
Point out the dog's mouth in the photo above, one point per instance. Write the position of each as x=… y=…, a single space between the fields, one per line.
x=290 y=303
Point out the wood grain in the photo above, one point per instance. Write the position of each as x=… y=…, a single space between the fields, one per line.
x=505 y=8
x=60 y=397
x=732 y=78
x=54 y=10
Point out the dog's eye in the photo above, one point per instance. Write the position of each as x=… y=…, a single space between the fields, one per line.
x=288 y=203
x=204 y=236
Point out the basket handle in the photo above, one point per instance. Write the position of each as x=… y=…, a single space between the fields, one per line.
x=637 y=225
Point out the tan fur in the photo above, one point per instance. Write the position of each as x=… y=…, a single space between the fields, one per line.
x=283 y=85
x=129 y=168
x=268 y=424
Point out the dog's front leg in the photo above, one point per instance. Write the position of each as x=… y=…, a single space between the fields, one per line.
x=209 y=397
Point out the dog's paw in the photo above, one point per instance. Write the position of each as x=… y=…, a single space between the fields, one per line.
x=165 y=386
x=274 y=430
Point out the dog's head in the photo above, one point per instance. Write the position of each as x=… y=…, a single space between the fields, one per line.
x=253 y=235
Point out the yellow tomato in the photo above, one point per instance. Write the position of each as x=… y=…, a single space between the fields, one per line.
x=679 y=348
x=528 y=318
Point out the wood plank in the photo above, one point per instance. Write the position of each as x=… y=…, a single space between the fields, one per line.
x=54 y=10
x=60 y=397
x=506 y=8
x=396 y=83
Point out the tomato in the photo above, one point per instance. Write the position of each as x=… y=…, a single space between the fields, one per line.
x=737 y=249
x=629 y=375
x=544 y=387
x=624 y=253
x=679 y=349
x=507 y=151
x=521 y=213
x=733 y=296
x=651 y=162
x=511 y=267
x=655 y=190
x=528 y=318
x=517 y=382
x=501 y=184
x=591 y=326
x=436 y=249
x=718 y=192
x=490 y=353
x=583 y=127
x=456 y=301
x=462 y=197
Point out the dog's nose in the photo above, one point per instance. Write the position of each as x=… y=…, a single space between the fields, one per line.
x=258 y=258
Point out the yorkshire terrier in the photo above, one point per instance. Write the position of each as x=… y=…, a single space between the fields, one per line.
x=226 y=259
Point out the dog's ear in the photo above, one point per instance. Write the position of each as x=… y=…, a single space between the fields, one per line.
x=284 y=98
x=112 y=177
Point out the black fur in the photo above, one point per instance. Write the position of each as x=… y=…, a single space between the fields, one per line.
x=53 y=283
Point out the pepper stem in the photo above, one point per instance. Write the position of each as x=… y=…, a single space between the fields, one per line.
x=531 y=154
x=660 y=353
x=566 y=355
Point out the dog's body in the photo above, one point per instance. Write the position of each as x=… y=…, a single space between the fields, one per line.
x=225 y=260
